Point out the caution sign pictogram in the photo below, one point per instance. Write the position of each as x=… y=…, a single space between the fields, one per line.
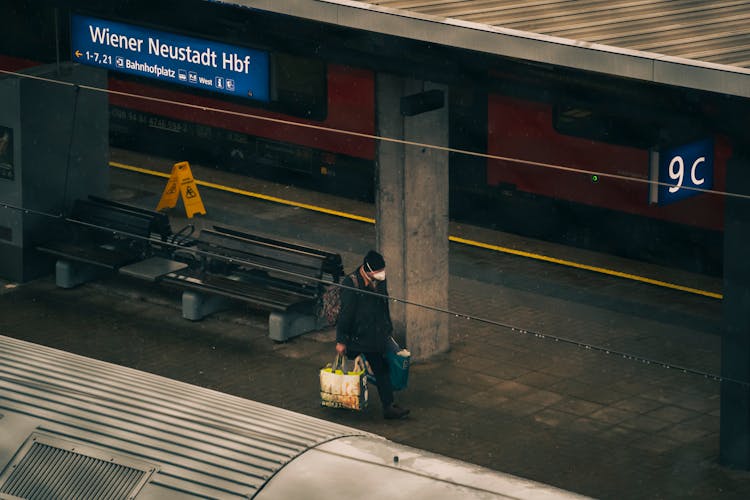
x=181 y=182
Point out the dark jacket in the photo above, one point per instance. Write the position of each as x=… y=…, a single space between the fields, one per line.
x=364 y=323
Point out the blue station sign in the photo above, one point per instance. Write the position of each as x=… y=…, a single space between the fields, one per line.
x=192 y=62
x=685 y=170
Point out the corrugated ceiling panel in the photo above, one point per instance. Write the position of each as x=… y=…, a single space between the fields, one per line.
x=715 y=31
x=213 y=444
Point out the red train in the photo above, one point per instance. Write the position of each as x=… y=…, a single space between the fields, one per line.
x=524 y=129
x=597 y=212
x=258 y=146
x=608 y=214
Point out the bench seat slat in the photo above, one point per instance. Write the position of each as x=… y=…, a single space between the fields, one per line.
x=109 y=258
x=283 y=270
x=253 y=292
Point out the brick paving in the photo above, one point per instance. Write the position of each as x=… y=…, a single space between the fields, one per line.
x=595 y=424
x=507 y=399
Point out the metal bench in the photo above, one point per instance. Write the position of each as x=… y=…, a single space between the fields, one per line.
x=102 y=236
x=280 y=277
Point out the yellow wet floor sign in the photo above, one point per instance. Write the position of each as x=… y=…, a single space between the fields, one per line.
x=181 y=182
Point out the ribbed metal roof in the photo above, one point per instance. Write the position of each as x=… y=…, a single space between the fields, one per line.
x=709 y=31
x=202 y=443
x=687 y=43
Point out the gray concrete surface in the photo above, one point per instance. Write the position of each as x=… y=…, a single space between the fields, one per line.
x=580 y=419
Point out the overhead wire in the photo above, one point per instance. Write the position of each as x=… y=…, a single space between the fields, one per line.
x=376 y=137
x=512 y=328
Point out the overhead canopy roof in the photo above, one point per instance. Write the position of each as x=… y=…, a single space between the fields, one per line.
x=688 y=43
x=713 y=32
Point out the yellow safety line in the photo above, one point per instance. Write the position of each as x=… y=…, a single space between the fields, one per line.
x=242 y=192
x=139 y=169
x=569 y=263
x=454 y=239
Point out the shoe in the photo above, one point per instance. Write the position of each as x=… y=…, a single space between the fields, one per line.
x=395 y=412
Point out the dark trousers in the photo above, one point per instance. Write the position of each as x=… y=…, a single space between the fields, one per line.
x=382 y=373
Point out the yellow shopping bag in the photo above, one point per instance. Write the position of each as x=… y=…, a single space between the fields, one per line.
x=344 y=389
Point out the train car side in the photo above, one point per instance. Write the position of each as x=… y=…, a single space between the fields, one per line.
x=294 y=139
x=524 y=130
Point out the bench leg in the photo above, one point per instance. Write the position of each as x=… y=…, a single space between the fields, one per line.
x=70 y=274
x=196 y=306
x=284 y=325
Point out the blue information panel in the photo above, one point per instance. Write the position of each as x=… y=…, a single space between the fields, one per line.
x=193 y=62
x=685 y=167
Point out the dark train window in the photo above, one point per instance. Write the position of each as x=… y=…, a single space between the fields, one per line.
x=601 y=125
x=28 y=31
x=298 y=85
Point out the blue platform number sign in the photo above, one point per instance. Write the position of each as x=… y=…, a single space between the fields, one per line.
x=684 y=168
x=192 y=62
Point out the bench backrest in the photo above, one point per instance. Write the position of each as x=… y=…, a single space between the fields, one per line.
x=119 y=217
x=276 y=258
x=332 y=264
x=159 y=221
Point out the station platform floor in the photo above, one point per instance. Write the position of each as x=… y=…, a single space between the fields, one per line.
x=518 y=392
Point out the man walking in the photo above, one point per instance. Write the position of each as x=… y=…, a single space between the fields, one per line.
x=364 y=325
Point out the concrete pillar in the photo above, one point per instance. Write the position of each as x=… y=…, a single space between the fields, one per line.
x=735 y=344
x=56 y=148
x=412 y=214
